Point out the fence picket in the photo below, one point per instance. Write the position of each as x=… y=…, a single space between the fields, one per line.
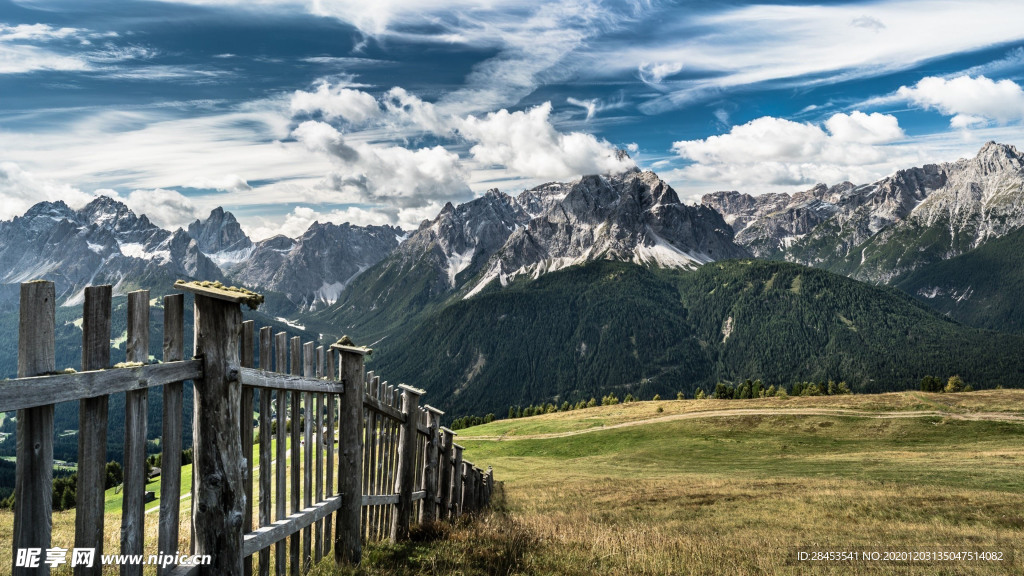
x=92 y=428
x=136 y=405
x=171 y=440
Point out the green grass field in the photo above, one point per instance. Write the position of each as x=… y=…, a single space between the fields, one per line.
x=736 y=487
x=726 y=487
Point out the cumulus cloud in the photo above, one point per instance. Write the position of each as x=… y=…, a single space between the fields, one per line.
x=227 y=183
x=969 y=100
x=20 y=190
x=411 y=110
x=393 y=174
x=336 y=102
x=296 y=222
x=165 y=208
x=527 y=143
x=777 y=151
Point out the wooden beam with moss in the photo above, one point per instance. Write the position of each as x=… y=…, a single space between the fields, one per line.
x=221 y=292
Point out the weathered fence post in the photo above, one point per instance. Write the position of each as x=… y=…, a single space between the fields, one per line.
x=266 y=438
x=219 y=462
x=405 y=476
x=247 y=361
x=444 y=485
x=170 y=460
x=428 y=512
x=457 y=482
x=92 y=429
x=294 y=543
x=136 y=411
x=348 y=546
x=33 y=485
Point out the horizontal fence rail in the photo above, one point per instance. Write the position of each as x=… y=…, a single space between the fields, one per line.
x=283 y=431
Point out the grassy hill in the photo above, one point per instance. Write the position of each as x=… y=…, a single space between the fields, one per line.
x=615 y=327
x=736 y=487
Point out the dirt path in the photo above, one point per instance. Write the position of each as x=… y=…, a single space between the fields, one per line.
x=977 y=416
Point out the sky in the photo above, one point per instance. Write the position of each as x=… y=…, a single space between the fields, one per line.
x=286 y=112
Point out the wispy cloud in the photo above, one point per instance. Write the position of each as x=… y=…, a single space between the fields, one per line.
x=804 y=45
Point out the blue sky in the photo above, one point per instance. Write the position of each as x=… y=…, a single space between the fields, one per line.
x=289 y=111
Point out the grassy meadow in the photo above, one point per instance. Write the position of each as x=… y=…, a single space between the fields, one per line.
x=721 y=487
x=736 y=487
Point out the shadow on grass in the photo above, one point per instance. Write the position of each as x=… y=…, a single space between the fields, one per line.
x=484 y=544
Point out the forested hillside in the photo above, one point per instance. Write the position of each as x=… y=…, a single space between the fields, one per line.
x=982 y=288
x=617 y=327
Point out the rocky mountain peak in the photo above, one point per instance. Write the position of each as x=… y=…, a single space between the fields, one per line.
x=220 y=232
x=995 y=158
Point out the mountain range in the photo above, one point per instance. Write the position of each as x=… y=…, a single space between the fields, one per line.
x=943 y=234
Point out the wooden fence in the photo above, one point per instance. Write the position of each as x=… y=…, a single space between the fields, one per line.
x=326 y=430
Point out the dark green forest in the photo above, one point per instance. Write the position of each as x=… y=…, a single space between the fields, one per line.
x=615 y=327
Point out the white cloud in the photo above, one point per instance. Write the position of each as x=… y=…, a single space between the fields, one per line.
x=394 y=175
x=227 y=183
x=408 y=109
x=804 y=45
x=18 y=59
x=336 y=102
x=868 y=22
x=296 y=222
x=20 y=190
x=166 y=208
x=862 y=128
x=528 y=144
x=775 y=151
x=36 y=32
x=655 y=73
x=971 y=101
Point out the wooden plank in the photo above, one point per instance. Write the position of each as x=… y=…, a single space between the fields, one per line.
x=36 y=391
x=136 y=412
x=171 y=439
x=262 y=379
x=33 y=500
x=318 y=528
x=432 y=454
x=444 y=487
x=405 y=470
x=247 y=359
x=217 y=291
x=332 y=362
x=266 y=436
x=92 y=429
x=419 y=495
x=219 y=475
x=309 y=371
x=456 y=500
x=348 y=547
x=294 y=523
x=384 y=409
x=380 y=499
x=281 y=492
x=372 y=451
x=295 y=542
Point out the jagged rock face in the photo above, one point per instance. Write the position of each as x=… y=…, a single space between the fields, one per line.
x=981 y=198
x=880 y=232
x=103 y=243
x=219 y=233
x=769 y=224
x=633 y=216
x=313 y=269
